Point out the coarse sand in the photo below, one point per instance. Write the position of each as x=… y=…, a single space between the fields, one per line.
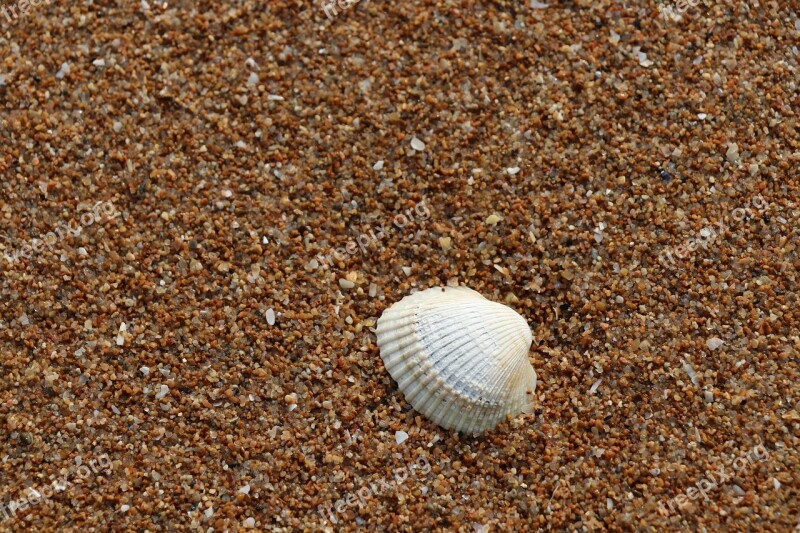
x=205 y=207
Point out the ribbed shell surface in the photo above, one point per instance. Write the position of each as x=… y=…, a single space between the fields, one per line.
x=459 y=359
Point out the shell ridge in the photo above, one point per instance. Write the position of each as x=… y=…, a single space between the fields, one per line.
x=464 y=395
x=472 y=391
x=452 y=348
x=503 y=379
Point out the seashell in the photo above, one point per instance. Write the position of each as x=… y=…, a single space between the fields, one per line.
x=459 y=359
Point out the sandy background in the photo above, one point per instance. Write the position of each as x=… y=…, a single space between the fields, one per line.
x=174 y=354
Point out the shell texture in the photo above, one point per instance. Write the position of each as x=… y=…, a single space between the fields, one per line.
x=459 y=359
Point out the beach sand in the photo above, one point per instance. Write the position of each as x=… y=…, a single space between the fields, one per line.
x=625 y=181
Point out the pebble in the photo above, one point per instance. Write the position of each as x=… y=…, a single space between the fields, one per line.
x=493 y=219
x=690 y=372
x=714 y=342
x=732 y=153
x=400 y=437
x=63 y=70
x=417 y=145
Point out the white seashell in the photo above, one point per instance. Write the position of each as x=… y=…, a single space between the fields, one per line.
x=459 y=359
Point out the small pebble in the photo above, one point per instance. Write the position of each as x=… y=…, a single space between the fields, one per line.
x=733 y=153
x=493 y=219
x=691 y=373
x=714 y=342
x=162 y=391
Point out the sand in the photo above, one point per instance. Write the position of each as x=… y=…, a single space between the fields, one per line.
x=182 y=347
